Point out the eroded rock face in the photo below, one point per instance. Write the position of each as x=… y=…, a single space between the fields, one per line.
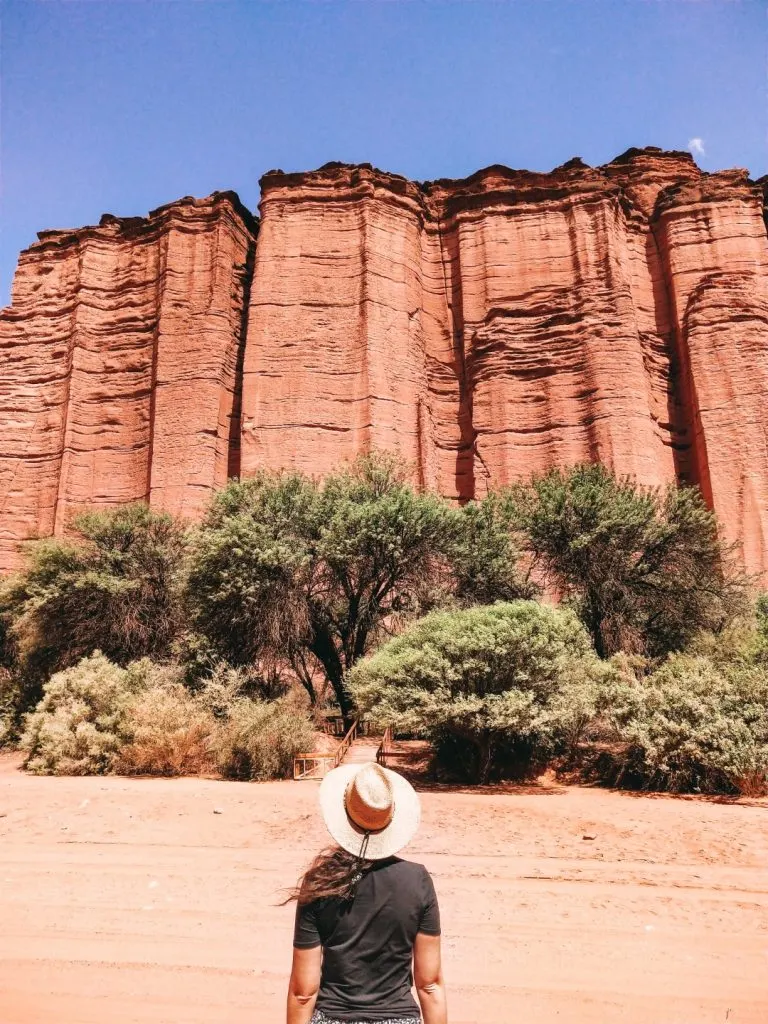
x=482 y=329
x=488 y=328
x=713 y=244
x=122 y=354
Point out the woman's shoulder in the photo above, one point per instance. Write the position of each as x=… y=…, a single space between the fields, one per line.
x=407 y=868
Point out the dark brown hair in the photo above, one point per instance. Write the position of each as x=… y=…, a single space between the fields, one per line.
x=333 y=873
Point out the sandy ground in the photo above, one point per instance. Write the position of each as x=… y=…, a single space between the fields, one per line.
x=155 y=901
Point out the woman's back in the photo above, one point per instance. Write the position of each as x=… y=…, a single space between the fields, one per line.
x=368 y=941
x=367 y=923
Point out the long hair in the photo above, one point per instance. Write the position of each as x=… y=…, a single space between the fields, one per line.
x=333 y=873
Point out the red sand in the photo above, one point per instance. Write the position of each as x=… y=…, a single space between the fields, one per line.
x=133 y=900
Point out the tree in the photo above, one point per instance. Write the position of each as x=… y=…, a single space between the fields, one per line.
x=484 y=556
x=287 y=567
x=497 y=688
x=644 y=567
x=250 y=562
x=312 y=573
x=114 y=587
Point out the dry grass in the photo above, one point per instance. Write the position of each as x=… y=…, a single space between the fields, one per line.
x=171 y=735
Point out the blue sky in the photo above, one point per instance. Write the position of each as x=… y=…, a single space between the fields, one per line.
x=122 y=105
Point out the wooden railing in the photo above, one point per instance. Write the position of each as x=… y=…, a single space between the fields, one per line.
x=346 y=743
x=385 y=747
x=315 y=765
x=312 y=766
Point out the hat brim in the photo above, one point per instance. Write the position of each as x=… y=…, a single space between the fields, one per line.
x=386 y=843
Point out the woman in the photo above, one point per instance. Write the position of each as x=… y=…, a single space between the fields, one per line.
x=367 y=922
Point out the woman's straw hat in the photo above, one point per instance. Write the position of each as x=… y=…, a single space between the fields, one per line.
x=370 y=811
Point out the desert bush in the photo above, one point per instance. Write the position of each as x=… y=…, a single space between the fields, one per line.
x=170 y=728
x=744 y=641
x=499 y=688
x=692 y=726
x=259 y=739
x=644 y=568
x=760 y=648
x=114 y=587
x=97 y=718
x=222 y=688
x=83 y=718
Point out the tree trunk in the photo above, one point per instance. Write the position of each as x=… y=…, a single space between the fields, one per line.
x=345 y=703
x=595 y=623
x=310 y=691
x=484 y=757
x=325 y=651
x=300 y=669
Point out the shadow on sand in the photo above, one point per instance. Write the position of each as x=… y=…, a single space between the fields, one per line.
x=413 y=761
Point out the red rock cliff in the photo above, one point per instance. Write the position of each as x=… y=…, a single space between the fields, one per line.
x=120 y=354
x=482 y=329
x=512 y=321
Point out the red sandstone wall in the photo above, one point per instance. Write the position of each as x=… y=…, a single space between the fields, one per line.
x=482 y=329
x=509 y=322
x=120 y=351
x=713 y=240
x=335 y=355
x=544 y=276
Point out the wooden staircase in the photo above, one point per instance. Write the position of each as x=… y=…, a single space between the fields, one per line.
x=362 y=750
x=353 y=749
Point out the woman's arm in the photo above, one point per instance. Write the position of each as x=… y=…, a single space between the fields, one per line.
x=428 y=978
x=304 y=984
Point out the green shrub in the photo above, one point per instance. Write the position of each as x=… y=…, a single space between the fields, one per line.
x=693 y=725
x=758 y=648
x=98 y=718
x=83 y=719
x=499 y=689
x=483 y=554
x=259 y=739
x=11 y=699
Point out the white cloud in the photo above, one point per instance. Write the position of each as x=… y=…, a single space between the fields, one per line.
x=696 y=146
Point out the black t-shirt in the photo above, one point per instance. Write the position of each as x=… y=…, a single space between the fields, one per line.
x=368 y=941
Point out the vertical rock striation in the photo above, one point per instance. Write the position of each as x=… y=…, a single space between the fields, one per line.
x=509 y=322
x=121 y=352
x=482 y=329
x=713 y=243
x=335 y=360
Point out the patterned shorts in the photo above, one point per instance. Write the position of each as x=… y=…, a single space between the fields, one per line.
x=318 y=1017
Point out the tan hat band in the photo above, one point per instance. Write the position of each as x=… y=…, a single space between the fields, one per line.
x=369 y=812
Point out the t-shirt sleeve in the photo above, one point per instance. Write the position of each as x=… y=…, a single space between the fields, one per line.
x=305 y=931
x=429 y=924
